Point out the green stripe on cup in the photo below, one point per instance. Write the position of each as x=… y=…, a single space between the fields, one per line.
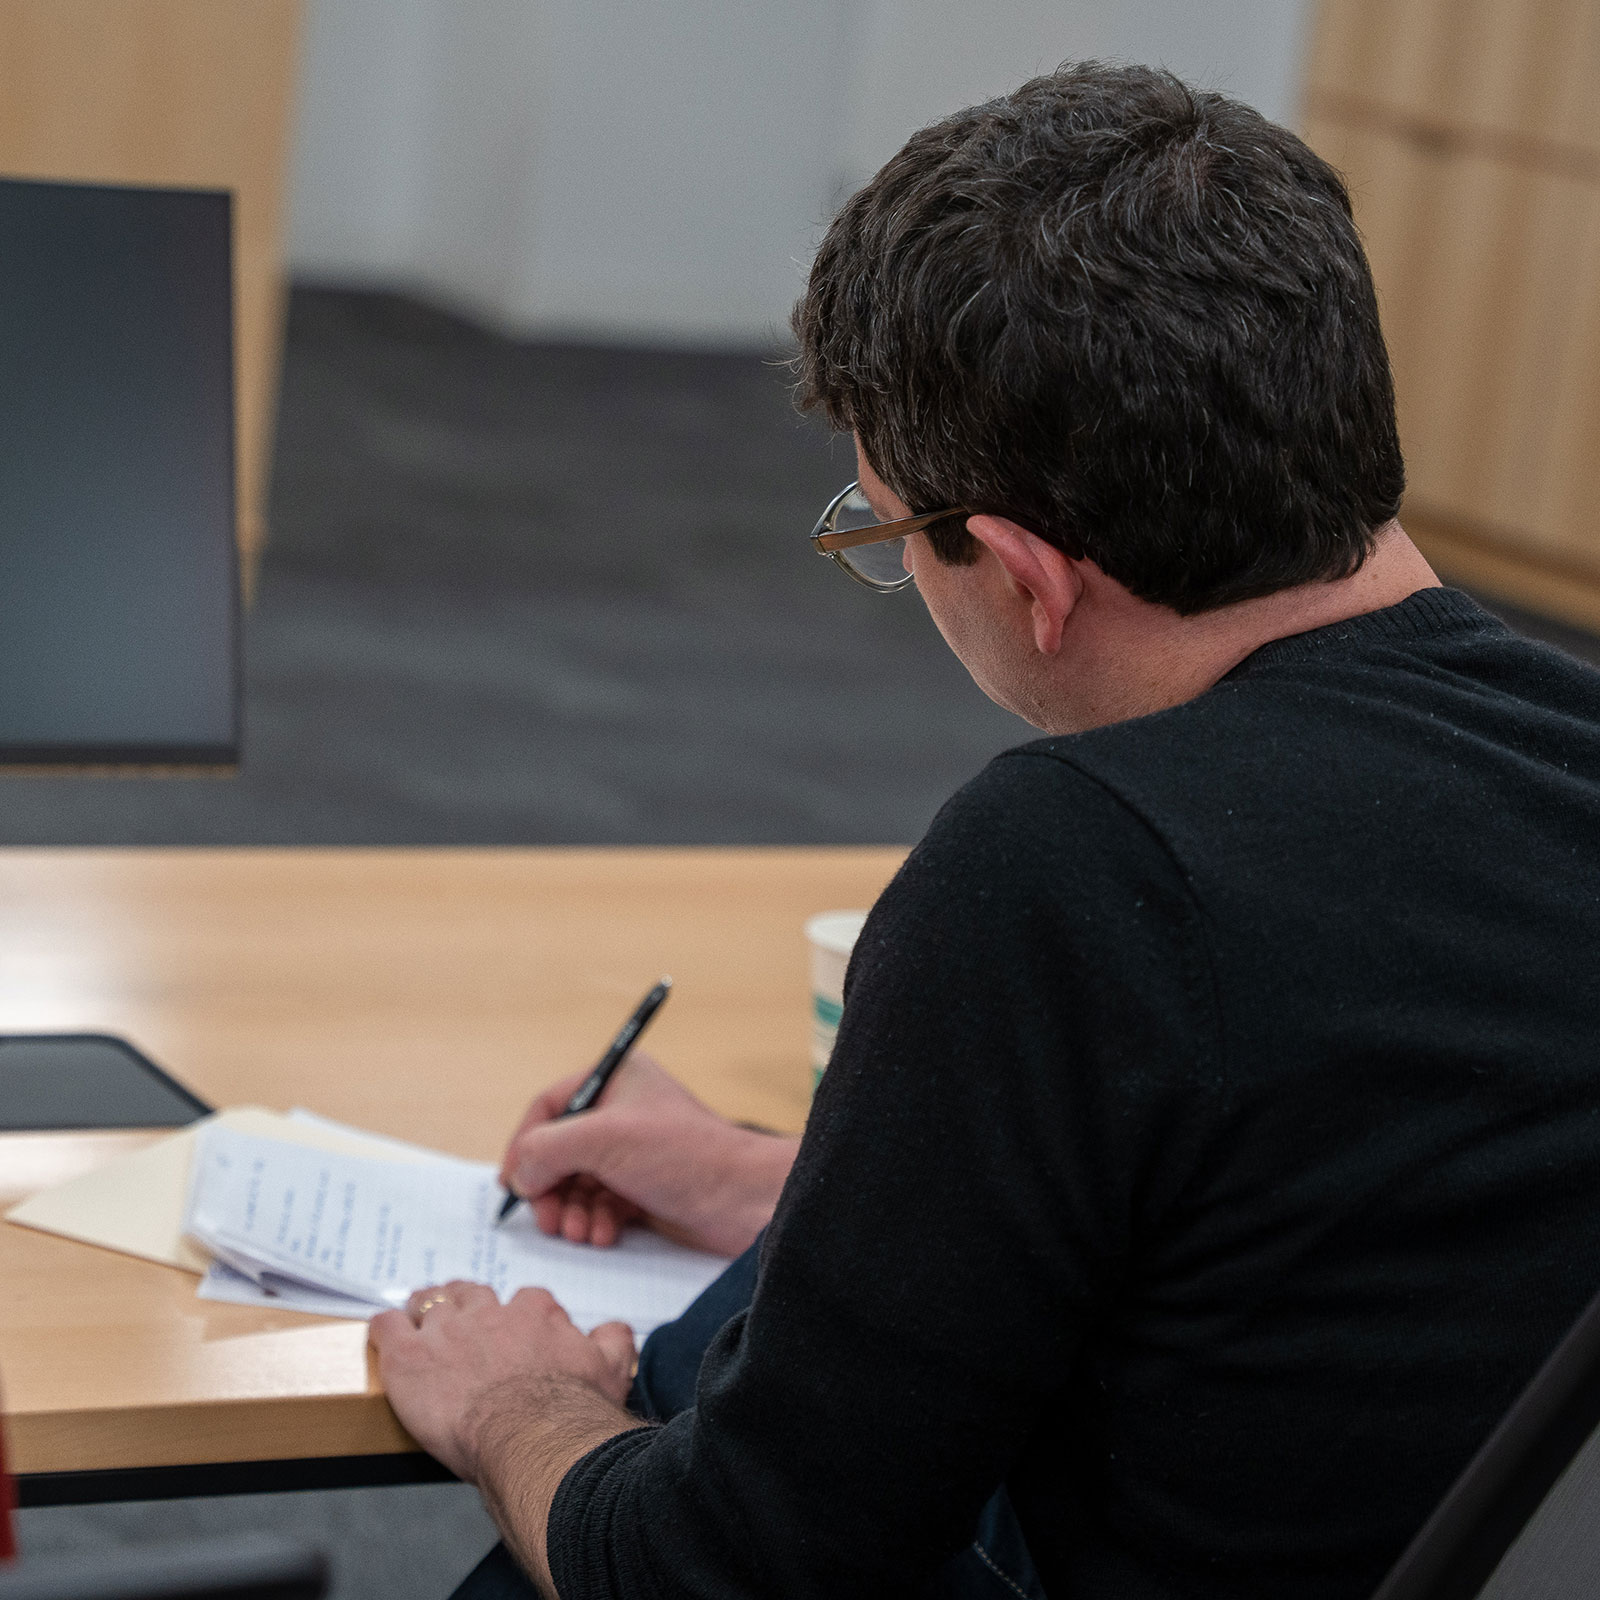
x=828 y=1012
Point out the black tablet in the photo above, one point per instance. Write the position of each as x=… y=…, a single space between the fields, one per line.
x=87 y=1080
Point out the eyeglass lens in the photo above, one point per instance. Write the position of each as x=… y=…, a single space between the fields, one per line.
x=878 y=563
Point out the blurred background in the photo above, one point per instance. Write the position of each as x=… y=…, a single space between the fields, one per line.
x=522 y=495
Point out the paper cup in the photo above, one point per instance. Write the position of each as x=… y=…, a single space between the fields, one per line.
x=832 y=935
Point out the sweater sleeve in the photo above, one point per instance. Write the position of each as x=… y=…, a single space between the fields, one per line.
x=1010 y=1108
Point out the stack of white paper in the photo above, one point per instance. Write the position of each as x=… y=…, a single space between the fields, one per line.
x=344 y=1235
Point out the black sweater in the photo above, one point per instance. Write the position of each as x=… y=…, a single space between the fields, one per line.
x=1211 y=1151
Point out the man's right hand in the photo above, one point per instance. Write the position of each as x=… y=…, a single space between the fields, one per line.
x=648 y=1152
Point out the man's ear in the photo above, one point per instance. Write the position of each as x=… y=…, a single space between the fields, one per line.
x=1039 y=573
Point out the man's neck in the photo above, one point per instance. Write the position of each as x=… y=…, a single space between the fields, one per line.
x=1123 y=657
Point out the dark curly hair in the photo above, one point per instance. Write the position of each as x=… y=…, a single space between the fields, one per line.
x=1134 y=317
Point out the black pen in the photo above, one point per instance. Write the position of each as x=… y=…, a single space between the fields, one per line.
x=590 y=1089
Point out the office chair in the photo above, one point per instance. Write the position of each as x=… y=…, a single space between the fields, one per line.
x=243 y=1567
x=1523 y=1521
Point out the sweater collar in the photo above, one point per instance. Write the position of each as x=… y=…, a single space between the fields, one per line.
x=1427 y=614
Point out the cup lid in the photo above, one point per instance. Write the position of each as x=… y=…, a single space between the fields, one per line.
x=836 y=930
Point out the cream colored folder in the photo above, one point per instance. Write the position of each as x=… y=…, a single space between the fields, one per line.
x=135 y=1203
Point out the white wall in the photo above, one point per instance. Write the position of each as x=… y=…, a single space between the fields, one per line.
x=917 y=59
x=417 y=142
x=660 y=170
x=684 y=163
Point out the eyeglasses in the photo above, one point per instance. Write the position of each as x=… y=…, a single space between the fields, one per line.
x=872 y=552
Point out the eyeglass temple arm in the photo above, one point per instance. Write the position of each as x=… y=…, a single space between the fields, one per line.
x=882 y=532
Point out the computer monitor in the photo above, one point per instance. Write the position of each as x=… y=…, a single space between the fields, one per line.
x=119 y=610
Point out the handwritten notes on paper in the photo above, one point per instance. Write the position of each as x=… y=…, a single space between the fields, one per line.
x=296 y=1224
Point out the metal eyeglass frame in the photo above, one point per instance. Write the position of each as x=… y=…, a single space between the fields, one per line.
x=826 y=541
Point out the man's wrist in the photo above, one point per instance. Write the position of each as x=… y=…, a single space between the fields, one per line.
x=756 y=1169
x=528 y=1439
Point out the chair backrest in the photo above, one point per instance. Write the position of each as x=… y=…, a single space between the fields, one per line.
x=1523 y=1521
x=245 y=1567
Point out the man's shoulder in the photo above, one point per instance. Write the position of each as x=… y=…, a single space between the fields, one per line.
x=1121 y=780
x=1035 y=836
x=1029 y=793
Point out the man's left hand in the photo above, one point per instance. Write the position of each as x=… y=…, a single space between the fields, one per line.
x=461 y=1371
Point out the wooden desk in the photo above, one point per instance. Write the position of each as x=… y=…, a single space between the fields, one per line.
x=421 y=993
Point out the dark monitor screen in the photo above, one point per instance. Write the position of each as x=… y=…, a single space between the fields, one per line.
x=118 y=570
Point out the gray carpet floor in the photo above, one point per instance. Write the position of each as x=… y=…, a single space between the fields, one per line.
x=522 y=594
x=415 y=1543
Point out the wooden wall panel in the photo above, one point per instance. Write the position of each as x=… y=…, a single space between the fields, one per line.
x=181 y=92
x=1526 y=71
x=1469 y=131
x=1568 y=506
